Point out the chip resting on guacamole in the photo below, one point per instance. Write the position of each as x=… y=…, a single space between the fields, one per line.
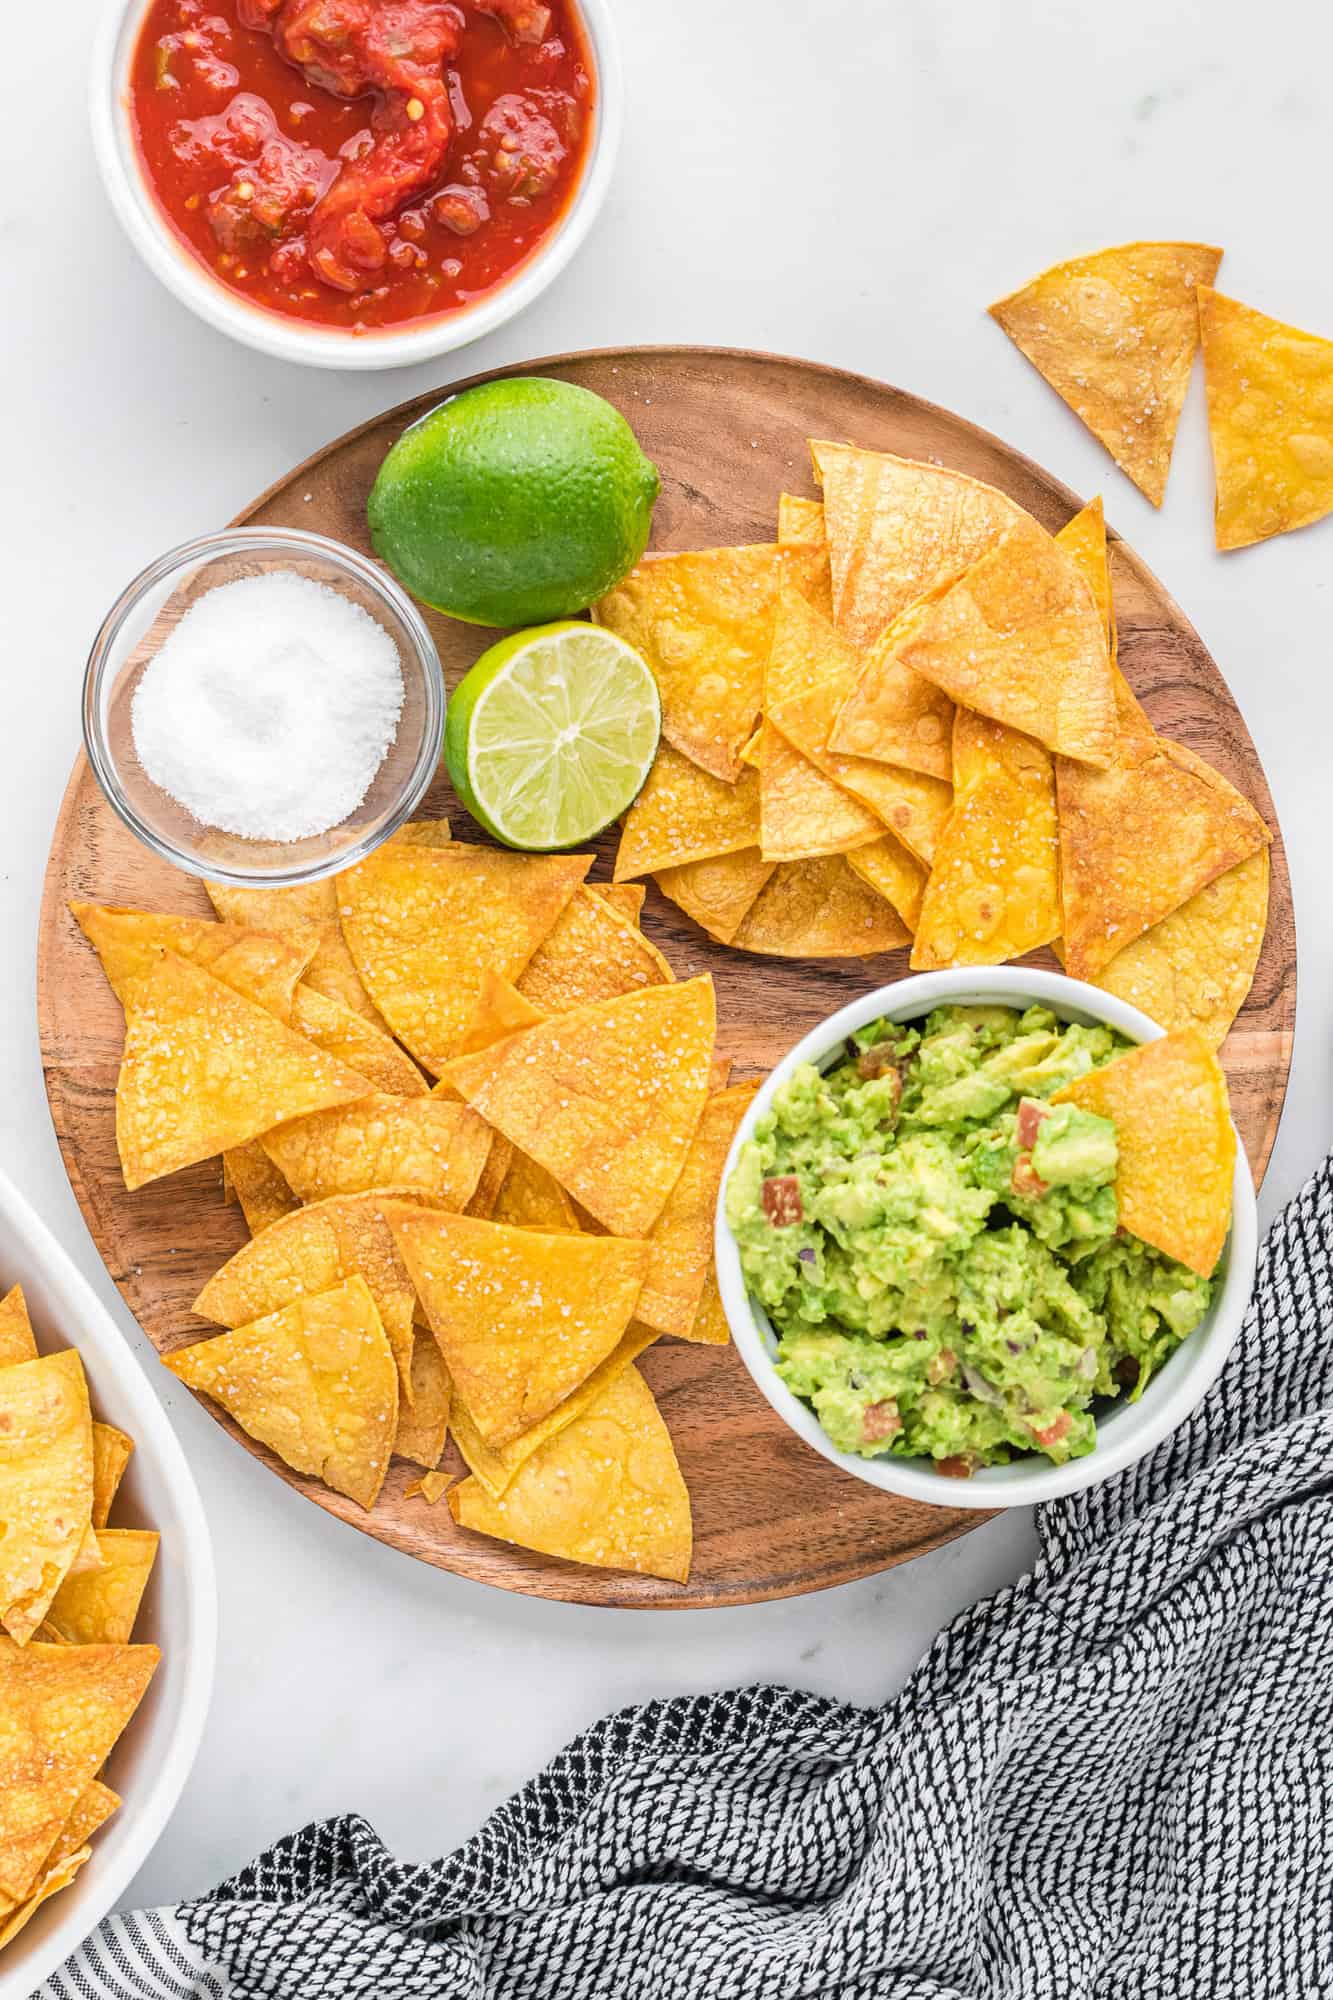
x=686 y=814
x=1195 y=967
x=820 y=909
x=1270 y=415
x=717 y=894
x=46 y=1483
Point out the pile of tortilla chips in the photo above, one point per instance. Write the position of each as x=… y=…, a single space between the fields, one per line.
x=904 y=723
x=70 y=1589
x=478 y=1159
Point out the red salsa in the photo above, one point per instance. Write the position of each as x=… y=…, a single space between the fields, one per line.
x=362 y=163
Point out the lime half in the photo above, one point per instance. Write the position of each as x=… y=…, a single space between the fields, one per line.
x=551 y=735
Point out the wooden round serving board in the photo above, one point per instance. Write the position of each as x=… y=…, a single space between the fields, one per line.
x=729 y=432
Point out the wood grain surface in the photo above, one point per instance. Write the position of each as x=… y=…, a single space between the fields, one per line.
x=728 y=431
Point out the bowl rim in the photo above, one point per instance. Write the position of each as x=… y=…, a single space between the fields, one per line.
x=1137 y=1427
x=289 y=340
x=239 y=541
x=109 y=1359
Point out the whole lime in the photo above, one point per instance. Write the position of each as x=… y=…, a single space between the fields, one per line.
x=514 y=503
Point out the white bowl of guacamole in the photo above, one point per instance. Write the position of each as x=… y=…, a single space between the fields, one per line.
x=920 y=1259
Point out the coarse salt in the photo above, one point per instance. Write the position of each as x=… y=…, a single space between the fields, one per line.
x=269 y=709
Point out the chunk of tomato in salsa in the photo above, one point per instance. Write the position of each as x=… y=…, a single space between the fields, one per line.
x=361 y=163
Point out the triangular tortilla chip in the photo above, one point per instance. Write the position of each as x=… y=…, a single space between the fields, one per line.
x=530 y=1198
x=898 y=530
x=803 y=521
x=1270 y=415
x=1019 y=638
x=627 y=897
x=685 y=814
x=350 y=1038
x=891 y=871
x=495 y=1465
x=717 y=894
x=112 y=1451
x=100 y=1608
x=205 y=1069
x=92 y=1809
x=1173 y=1185
x=1114 y=334
x=594 y=952
x=606 y=1490
x=423 y=1425
x=522 y=1318
x=682 y=1237
x=894 y=715
x=605 y=1097
x=1083 y=539
x=130 y=943
x=1139 y=840
x=287 y=912
x=425 y=833
x=46 y=1484
x=64 y=1707
x=801 y=812
x=710 y=1327
x=423 y=924
x=49 y=1883
x=315 y=1382
x=1194 y=968
x=264 y=1196
x=820 y=909
x=427 y=1146
x=994 y=890
x=16 y=1337
x=500 y=1010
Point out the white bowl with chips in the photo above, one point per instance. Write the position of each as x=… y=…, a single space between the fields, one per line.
x=152 y=1760
x=1127 y=1430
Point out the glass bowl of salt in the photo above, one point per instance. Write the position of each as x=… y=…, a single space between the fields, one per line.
x=264 y=707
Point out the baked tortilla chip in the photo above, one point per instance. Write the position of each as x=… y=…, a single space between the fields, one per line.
x=894 y=715
x=314 y=1381
x=49 y=1883
x=594 y=952
x=425 y=833
x=606 y=1490
x=500 y=1010
x=718 y=894
x=290 y=912
x=685 y=814
x=891 y=871
x=606 y=1097
x=801 y=812
x=46 y=1484
x=1114 y=334
x=100 y=1607
x=682 y=1238
x=427 y=1146
x=264 y=1196
x=710 y=1327
x=522 y=1318
x=1173 y=1185
x=205 y=1069
x=423 y=1425
x=423 y=924
x=130 y=944
x=1195 y=968
x=802 y=521
x=495 y=1466
x=994 y=890
x=16 y=1337
x=92 y=1809
x=529 y=1198
x=1083 y=539
x=112 y=1451
x=351 y=1039
x=820 y=909
x=627 y=897
x=1270 y=416
x=1019 y=638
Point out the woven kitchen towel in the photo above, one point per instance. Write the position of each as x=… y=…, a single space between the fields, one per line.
x=1113 y=1779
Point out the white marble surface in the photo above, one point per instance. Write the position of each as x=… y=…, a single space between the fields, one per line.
x=835 y=178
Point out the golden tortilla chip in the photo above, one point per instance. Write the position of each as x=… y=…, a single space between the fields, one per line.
x=351 y=1039
x=49 y=1883
x=800 y=520
x=112 y=1451
x=428 y=1146
x=205 y=1069
x=101 y=1607
x=315 y=1382
x=627 y=897
x=1270 y=416
x=1173 y=1185
x=801 y=812
x=290 y=912
x=606 y=1490
x=685 y=814
x=264 y=1196
x=16 y=1336
x=1019 y=639
x=820 y=909
x=1139 y=840
x=92 y=1809
x=717 y=894
x=130 y=944
x=894 y=715
x=64 y=1708
x=899 y=530
x=522 y=1318
x=682 y=1237
x=423 y=924
x=500 y=1010
x=493 y=1174
x=1195 y=968
x=423 y=1425
x=891 y=871
x=1083 y=539
x=495 y=1465
x=529 y=1198
x=994 y=891
x=1114 y=334
x=46 y=1485
x=594 y=952
x=431 y=1487
x=710 y=1327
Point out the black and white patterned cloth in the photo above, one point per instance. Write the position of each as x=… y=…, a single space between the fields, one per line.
x=1113 y=1779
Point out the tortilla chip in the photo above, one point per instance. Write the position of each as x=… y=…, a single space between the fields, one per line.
x=64 y=1708
x=627 y=897
x=891 y=871
x=1195 y=968
x=522 y=1318
x=1019 y=638
x=1114 y=334
x=495 y=1466
x=718 y=894
x=423 y=1425
x=710 y=1327
x=423 y=924
x=493 y=1175
x=606 y=1097
x=1139 y=840
x=898 y=530
x=820 y=909
x=704 y=622
x=205 y=1070
x=286 y=912
x=530 y=1199
x=800 y=520
x=264 y=1196
x=16 y=1336
x=894 y=715
x=994 y=891
x=606 y=1490
x=594 y=952
x=682 y=1238
x=92 y=1809
x=1168 y=1102
x=130 y=944
x=500 y=1010
x=46 y=1484
x=685 y=814
x=1270 y=416
x=49 y=1883
x=351 y=1039
x=428 y=1146
x=1083 y=539
x=801 y=812
x=100 y=1608
x=315 y=1382
x=112 y=1451
x=431 y=1487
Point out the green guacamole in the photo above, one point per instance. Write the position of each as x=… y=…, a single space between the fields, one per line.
x=937 y=1245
